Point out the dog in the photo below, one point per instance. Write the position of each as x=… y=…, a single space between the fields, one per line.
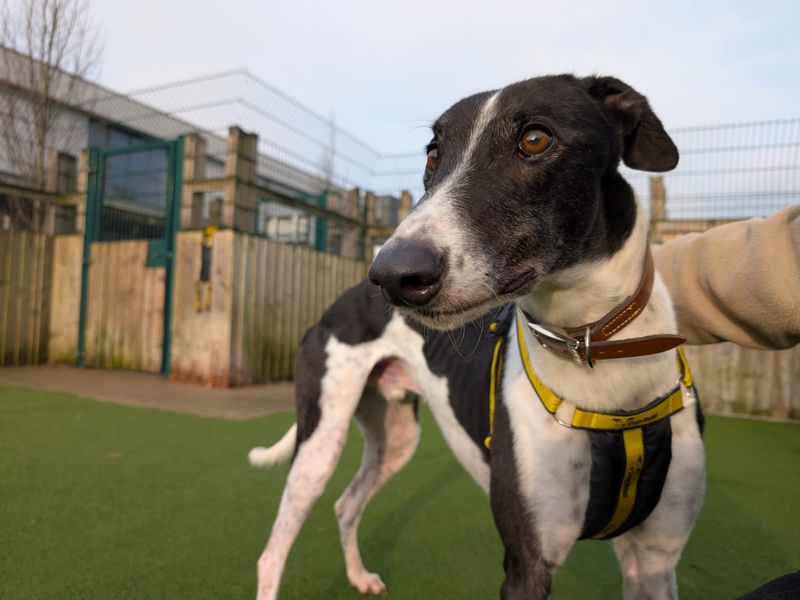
x=519 y=299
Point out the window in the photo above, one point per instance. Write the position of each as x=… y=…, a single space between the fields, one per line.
x=385 y=210
x=285 y=224
x=105 y=135
x=207 y=208
x=135 y=189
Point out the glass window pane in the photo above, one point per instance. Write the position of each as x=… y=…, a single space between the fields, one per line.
x=135 y=187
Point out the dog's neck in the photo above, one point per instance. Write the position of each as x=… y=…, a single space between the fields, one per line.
x=586 y=292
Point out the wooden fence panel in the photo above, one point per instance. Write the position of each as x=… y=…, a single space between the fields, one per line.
x=65 y=289
x=276 y=292
x=736 y=380
x=125 y=316
x=26 y=265
x=202 y=314
x=279 y=291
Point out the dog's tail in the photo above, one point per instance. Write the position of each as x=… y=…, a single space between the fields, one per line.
x=276 y=454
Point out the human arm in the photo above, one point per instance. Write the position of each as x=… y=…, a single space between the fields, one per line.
x=738 y=282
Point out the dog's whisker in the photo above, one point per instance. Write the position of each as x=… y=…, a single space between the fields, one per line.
x=480 y=335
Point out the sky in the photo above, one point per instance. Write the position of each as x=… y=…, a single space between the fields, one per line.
x=387 y=69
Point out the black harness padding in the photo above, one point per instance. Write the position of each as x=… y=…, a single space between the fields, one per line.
x=608 y=469
x=464 y=358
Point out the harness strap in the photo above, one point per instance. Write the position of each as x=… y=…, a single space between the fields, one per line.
x=633 y=441
x=584 y=419
x=494 y=382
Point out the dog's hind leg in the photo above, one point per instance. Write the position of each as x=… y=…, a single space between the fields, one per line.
x=391 y=433
x=328 y=388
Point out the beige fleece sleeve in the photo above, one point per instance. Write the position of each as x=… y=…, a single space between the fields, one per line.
x=738 y=282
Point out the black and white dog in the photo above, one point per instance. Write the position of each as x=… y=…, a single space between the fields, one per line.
x=526 y=218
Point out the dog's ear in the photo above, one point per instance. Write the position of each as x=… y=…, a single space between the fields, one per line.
x=646 y=146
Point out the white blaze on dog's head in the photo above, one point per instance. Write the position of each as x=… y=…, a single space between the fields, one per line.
x=436 y=221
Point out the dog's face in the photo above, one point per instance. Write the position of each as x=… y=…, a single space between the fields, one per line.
x=519 y=183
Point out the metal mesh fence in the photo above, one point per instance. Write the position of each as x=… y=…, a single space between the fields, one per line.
x=134 y=195
x=20 y=161
x=730 y=171
x=297 y=146
x=20 y=211
x=726 y=171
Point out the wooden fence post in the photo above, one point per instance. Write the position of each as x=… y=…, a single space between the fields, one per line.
x=658 y=207
x=241 y=162
x=405 y=206
x=194 y=168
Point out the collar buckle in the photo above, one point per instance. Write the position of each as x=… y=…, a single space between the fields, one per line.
x=587 y=353
x=573 y=345
x=576 y=356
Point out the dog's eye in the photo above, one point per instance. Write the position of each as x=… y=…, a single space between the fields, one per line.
x=535 y=141
x=433 y=158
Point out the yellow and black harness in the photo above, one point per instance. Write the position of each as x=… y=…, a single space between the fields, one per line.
x=631 y=451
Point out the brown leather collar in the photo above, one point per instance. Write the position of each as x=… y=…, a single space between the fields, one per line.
x=588 y=343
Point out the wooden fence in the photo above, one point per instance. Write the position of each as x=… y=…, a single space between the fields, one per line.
x=125 y=308
x=736 y=380
x=26 y=264
x=279 y=291
x=261 y=298
x=66 y=299
x=245 y=324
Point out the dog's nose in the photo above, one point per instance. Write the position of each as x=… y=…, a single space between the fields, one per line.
x=409 y=273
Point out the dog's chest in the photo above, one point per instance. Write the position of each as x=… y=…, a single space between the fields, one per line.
x=587 y=484
x=553 y=462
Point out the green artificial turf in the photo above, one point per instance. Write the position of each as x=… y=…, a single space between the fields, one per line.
x=104 y=501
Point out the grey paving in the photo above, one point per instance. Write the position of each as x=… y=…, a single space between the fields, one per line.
x=154 y=391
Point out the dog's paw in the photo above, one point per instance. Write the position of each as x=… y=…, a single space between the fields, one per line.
x=369 y=583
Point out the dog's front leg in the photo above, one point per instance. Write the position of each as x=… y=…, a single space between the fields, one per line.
x=648 y=571
x=649 y=553
x=529 y=575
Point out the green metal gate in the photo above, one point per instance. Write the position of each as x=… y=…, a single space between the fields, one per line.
x=132 y=215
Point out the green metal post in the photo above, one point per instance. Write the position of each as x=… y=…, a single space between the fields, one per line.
x=321 y=241
x=173 y=224
x=89 y=235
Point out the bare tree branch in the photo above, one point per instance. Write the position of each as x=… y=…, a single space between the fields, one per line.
x=50 y=45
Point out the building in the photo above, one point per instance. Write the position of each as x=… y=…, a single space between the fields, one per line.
x=276 y=205
x=134 y=239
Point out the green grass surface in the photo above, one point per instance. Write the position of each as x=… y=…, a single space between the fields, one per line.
x=104 y=501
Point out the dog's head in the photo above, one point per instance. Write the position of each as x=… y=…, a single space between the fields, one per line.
x=519 y=183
